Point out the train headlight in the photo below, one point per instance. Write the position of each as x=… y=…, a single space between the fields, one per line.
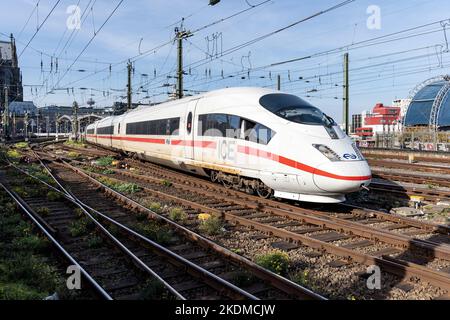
x=327 y=152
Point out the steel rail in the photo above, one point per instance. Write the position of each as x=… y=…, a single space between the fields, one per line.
x=55 y=242
x=274 y=279
x=316 y=218
x=399 y=268
x=116 y=241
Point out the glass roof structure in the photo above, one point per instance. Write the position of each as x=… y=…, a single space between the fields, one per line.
x=430 y=104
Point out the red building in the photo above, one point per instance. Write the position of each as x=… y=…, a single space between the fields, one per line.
x=381 y=119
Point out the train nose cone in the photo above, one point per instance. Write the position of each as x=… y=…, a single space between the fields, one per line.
x=342 y=177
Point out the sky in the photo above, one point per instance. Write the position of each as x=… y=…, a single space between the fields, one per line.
x=392 y=45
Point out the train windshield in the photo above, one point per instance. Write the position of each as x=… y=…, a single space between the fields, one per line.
x=294 y=109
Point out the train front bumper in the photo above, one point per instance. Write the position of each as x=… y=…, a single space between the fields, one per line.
x=342 y=176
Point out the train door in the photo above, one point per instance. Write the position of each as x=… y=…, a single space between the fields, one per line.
x=190 y=130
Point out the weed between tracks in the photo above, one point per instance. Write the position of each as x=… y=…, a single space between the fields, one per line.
x=81 y=227
x=75 y=144
x=154 y=231
x=211 y=226
x=120 y=186
x=26 y=272
x=276 y=261
x=105 y=161
x=178 y=214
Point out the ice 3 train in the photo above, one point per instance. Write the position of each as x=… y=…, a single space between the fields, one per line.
x=257 y=140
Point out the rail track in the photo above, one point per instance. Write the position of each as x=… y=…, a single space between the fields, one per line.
x=429 y=194
x=189 y=268
x=412 y=178
x=409 y=166
x=427 y=156
x=352 y=234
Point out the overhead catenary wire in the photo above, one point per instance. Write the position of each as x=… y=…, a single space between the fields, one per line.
x=39 y=28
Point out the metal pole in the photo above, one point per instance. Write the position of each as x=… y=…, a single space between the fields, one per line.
x=346 y=93
x=14 y=125
x=25 y=125
x=180 y=66
x=6 y=115
x=129 y=92
x=57 y=127
x=75 y=120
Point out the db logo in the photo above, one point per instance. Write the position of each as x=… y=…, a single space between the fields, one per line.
x=349 y=156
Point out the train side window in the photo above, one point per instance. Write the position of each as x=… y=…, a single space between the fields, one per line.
x=234 y=127
x=118 y=129
x=256 y=132
x=189 y=123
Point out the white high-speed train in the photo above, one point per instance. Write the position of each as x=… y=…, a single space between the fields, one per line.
x=252 y=139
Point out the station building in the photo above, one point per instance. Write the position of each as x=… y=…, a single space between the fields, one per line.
x=430 y=105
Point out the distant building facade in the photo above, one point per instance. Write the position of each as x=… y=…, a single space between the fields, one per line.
x=430 y=105
x=10 y=76
x=382 y=119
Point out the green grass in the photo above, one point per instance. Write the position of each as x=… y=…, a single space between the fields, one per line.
x=155 y=206
x=155 y=232
x=76 y=144
x=43 y=211
x=94 y=241
x=301 y=277
x=105 y=161
x=20 y=191
x=276 y=261
x=121 y=187
x=25 y=273
x=178 y=214
x=212 y=226
x=81 y=227
x=166 y=183
x=127 y=188
x=73 y=155
x=21 y=145
x=13 y=154
x=54 y=196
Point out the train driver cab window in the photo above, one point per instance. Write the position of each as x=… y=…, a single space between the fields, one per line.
x=189 y=123
x=293 y=108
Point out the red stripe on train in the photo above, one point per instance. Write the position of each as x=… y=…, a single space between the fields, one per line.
x=246 y=150
x=297 y=165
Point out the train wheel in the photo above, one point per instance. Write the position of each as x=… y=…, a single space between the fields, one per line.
x=213 y=176
x=264 y=192
x=227 y=184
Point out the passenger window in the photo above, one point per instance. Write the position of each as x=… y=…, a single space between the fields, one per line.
x=189 y=123
x=118 y=130
x=234 y=127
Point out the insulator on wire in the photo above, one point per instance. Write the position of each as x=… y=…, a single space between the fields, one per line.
x=221 y=73
x=56 y=65
x=270 y=75
x=289 y=75
x=154 y=72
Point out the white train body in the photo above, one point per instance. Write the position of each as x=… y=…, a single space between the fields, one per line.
x=270 y=137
